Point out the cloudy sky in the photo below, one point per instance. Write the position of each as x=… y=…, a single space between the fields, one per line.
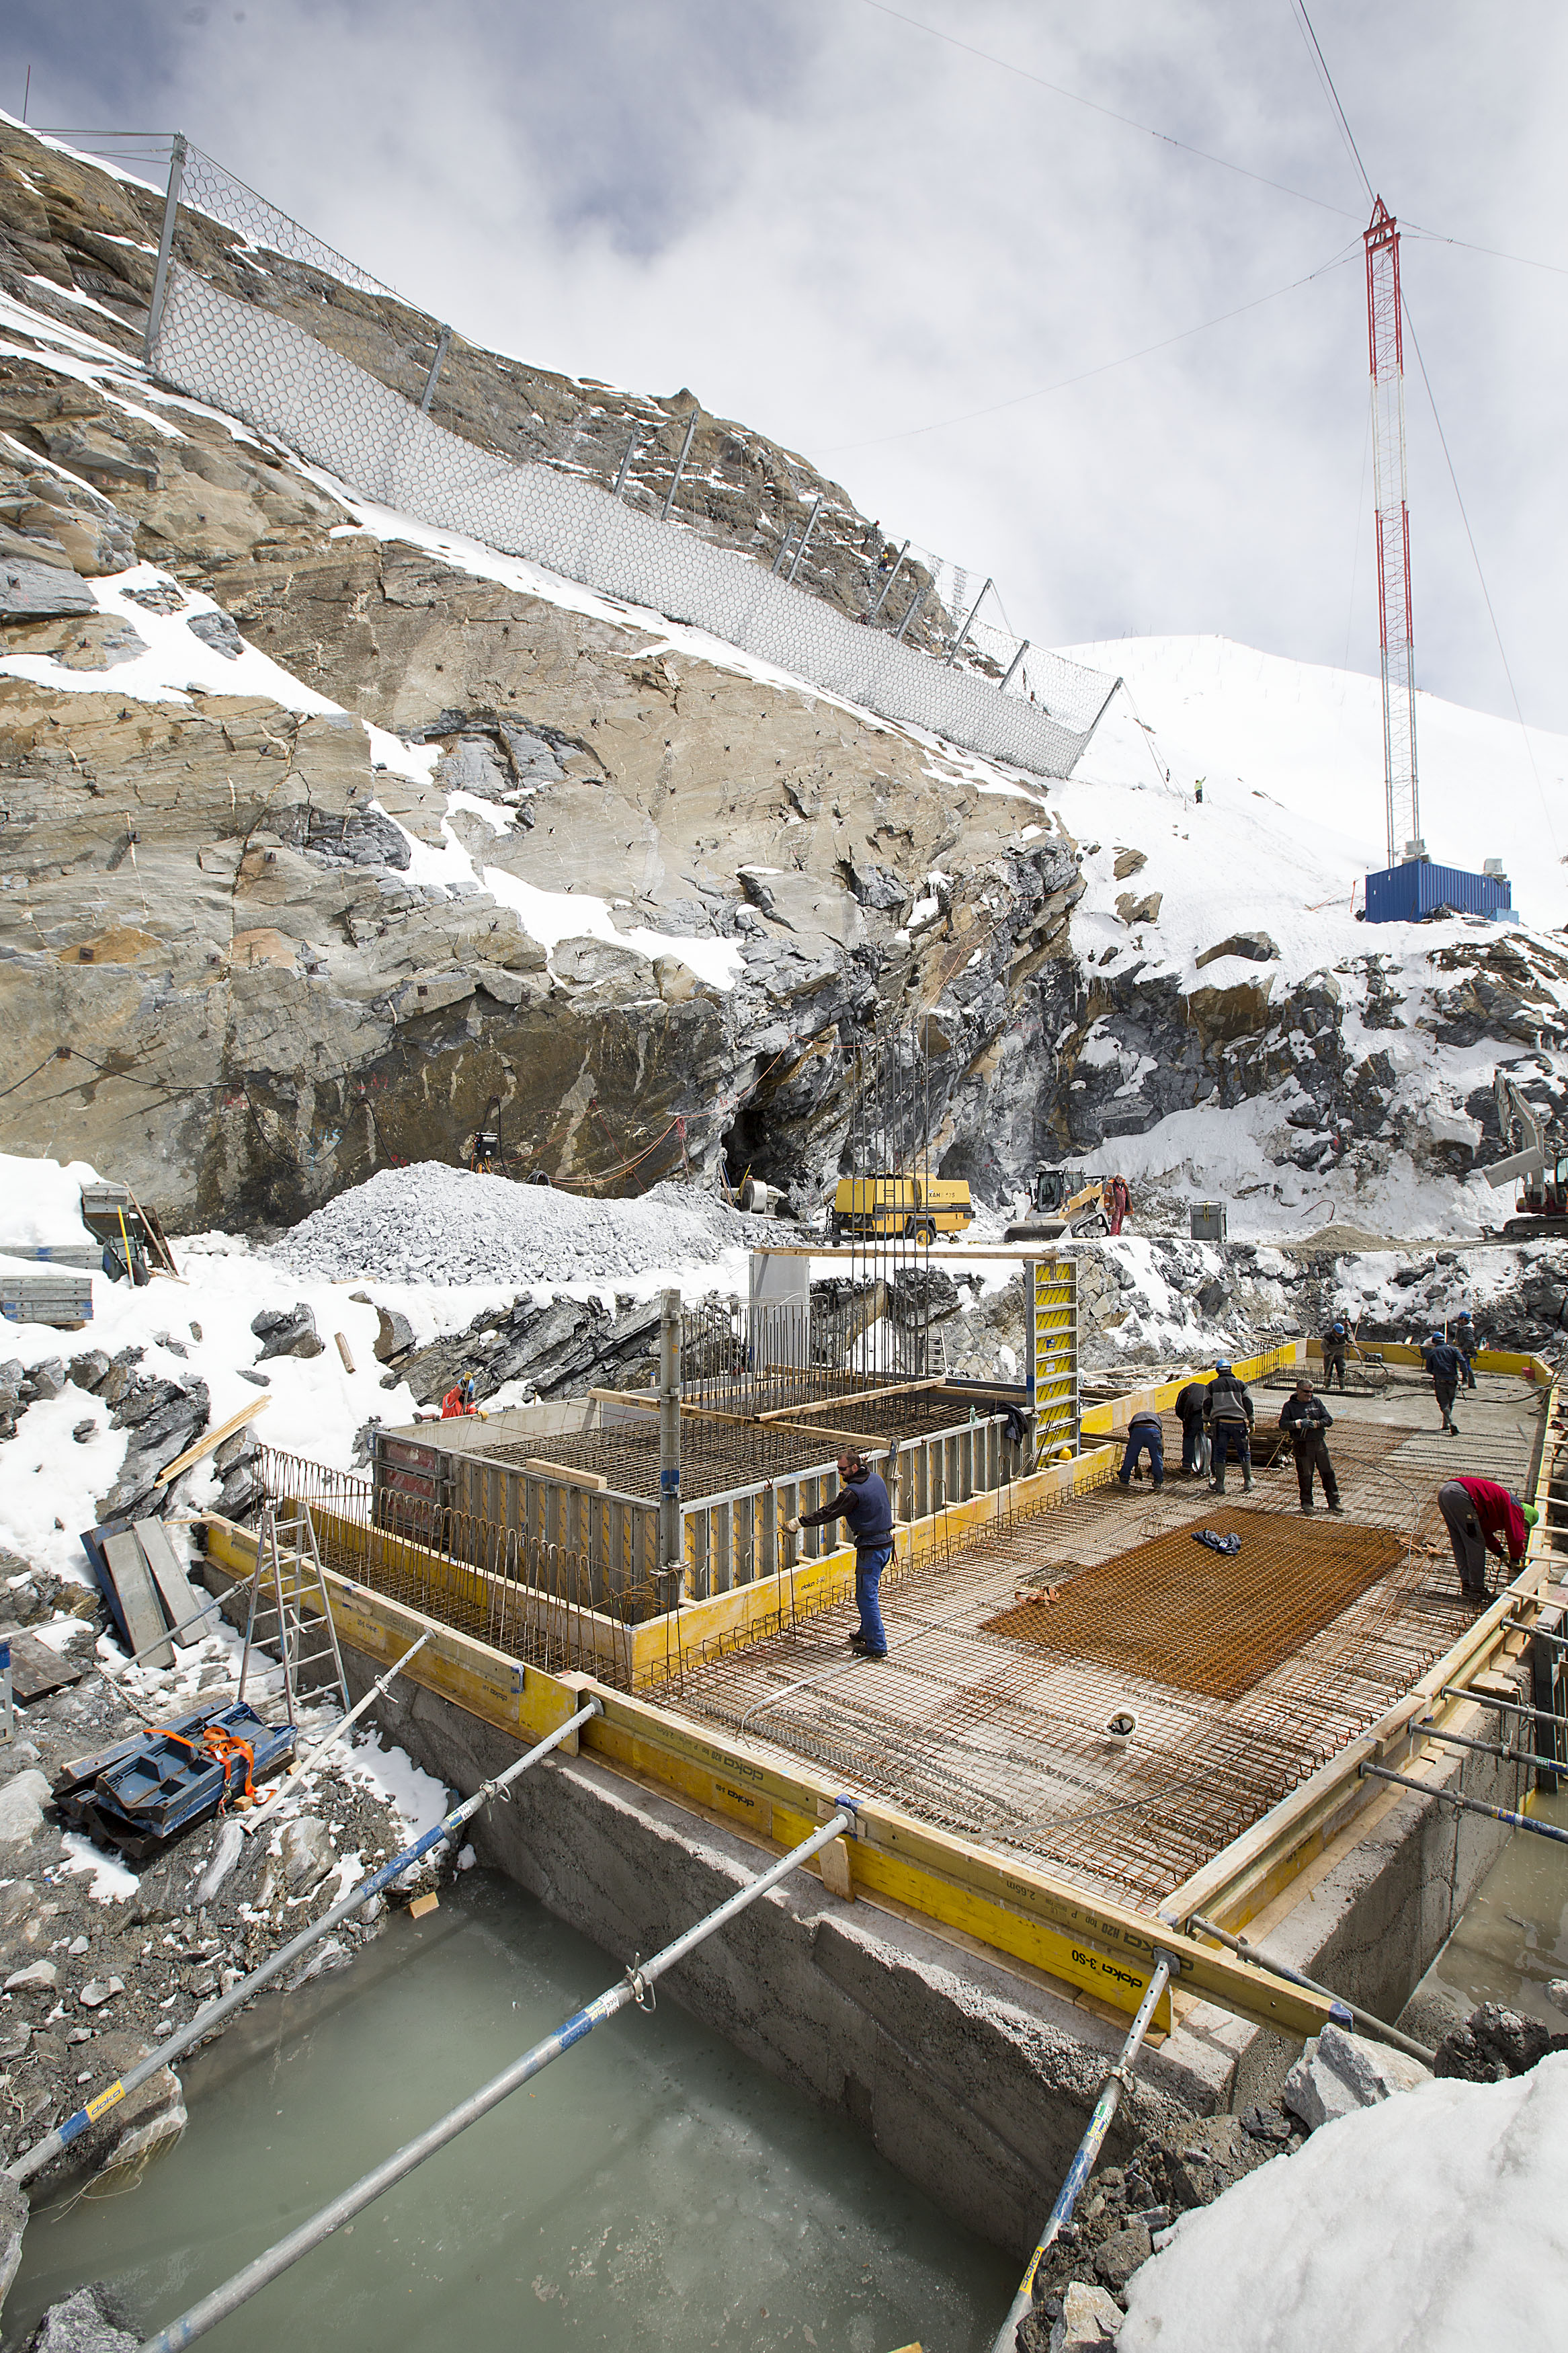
x=948 y=284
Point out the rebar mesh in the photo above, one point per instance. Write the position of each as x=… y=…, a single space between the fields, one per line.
x=714 y=1459
x=532 y=1600
x=1175 y=1610
x=1007 y=1739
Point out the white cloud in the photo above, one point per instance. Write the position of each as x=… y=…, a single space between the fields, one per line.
x=834 y=227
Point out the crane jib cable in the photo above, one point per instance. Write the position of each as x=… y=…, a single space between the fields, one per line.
x=1066 y=382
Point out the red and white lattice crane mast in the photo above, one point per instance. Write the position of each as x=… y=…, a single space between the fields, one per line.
x=1386 y=340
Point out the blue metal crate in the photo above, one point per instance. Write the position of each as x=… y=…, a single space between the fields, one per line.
x=144 y=1790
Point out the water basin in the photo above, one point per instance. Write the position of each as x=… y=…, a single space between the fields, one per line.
x=652 y=2189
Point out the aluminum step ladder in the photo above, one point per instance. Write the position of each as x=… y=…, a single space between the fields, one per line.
x=291 y=1617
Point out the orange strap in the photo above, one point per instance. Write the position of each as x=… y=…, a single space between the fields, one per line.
x=220 y=1747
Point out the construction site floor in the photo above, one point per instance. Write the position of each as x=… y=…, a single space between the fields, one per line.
x=1243 y=1675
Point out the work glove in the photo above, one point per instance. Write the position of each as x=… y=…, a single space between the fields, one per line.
x=792 y=1528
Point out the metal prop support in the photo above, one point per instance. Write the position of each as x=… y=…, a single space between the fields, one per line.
x=165 y=247
x=22 y=2168
x=635 y=1986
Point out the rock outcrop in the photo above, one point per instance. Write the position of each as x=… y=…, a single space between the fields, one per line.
x=322 y=853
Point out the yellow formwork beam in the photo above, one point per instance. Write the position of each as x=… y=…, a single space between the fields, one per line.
x=1238 y=1882
x=1115 y=1413
x=1089 y=1945
x=1485 y=1360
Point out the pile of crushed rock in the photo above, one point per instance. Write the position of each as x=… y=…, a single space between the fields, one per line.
x=430 y=1223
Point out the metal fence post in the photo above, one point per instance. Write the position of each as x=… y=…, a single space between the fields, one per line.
x=958 y=641
x=888 y=583
x=915 y=603
x=671 y=1542
x=805 y=535
x=1013 y=666
x=625 y=461
x=441 y=342
x=166 y=245
x=681 y=465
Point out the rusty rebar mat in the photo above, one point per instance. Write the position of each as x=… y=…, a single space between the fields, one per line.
x=1175 y=1612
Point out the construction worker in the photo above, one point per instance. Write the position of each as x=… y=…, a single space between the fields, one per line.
x=1189 y=1405
x=1145 y=1433
x=1447 y=1366
x=1118 y=1201
x=460 y=1399
x=1308 y=1418
x=1464 y=1339
x=1336 y=1340
x=862 y=1500
x=1227 y=1411
x=1483 y=1517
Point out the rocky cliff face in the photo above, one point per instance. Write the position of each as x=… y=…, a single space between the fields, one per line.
x=298 y=822
x=327 y=843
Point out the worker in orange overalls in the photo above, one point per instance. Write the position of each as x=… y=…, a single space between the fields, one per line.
x=460 y=1399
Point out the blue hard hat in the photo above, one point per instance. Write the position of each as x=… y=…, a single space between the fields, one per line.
x=1338 y=1329
x=1464 y=1315
x=1222 y=1364
x=1436 y=1339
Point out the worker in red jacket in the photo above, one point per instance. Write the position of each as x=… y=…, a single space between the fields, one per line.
x=1483 y=1517
x=460 y=1399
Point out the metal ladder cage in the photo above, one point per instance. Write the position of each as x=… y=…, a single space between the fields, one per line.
x=289 y=1567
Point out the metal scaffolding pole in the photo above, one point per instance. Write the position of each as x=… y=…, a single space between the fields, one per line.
x=22 y=2168
x=625 y=461
x=805 y=535
x=1078 y=2171
x=165 y=246
x=671 y=1535
x=635 y=1986
x=888 y=583
x=958 y=641
x=915 y=604
x=679 y=467
x=442 y=342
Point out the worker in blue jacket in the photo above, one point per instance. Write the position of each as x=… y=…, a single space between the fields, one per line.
x=1447 y=1366
x=862 y=1500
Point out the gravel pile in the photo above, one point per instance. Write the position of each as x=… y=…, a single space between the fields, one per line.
x=436 y=1224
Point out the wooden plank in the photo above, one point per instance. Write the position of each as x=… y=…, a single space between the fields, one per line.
x=209 y=1438
x=344 y=1352
x=566 y=1473
x=36 y=1669
x=168 y=1575
x=138 y=1598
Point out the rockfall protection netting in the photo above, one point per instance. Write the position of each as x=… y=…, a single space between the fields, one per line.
x=309 y=392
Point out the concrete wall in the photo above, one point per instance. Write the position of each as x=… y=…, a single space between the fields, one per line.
x=1372 y=1915
x=976 y=2082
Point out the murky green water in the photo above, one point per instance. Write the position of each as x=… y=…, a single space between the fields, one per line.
x=651 y=2190
x=1513 y=1935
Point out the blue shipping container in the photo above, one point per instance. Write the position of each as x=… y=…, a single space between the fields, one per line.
x=1406 y=893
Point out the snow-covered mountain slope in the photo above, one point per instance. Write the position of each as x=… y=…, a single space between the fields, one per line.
x=329 y=840
x=1320 y=1066
x=1308 y=741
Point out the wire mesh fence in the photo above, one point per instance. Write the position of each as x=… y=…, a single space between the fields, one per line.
x=273 y=324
